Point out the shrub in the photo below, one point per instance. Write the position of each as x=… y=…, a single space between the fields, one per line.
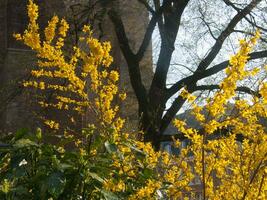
x=227 y=157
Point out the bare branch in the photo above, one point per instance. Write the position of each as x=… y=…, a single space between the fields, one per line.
x=206 y=23
x=224 y=34
x=184 y=66
x=208 y=72
x=219 y=67
x=216 y=87
x=171 y=113
x=248 y=33
x=149 y=30
x=229 y=3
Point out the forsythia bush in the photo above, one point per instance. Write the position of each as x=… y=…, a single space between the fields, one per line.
x=106 y=162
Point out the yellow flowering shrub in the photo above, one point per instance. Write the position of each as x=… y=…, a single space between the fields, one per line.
x=227 y=156
x=79 y=82
x=229 y=153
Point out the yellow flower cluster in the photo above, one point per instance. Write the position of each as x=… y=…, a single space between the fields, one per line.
x=148 y=191
x=52 y=124
x=134 y=157
x=50 y=30
x=31 y=36
x=55 y=68
x=181 y=126
x=188 y=96
x=235 y=72
x=114 y=187
x=225 y=167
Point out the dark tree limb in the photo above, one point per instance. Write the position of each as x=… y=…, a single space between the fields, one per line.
x=239 y=89
x=229 y=3
x=171 y=113
x=160 y=22
x=219 y=67
x=132 y=62
x=132 y=59
x=148 y=7
x=121 y=34
x=172 y=18
x=251 y=34
x=149 y=31
x=180 y=136
x=208 y=72
x=224 y=34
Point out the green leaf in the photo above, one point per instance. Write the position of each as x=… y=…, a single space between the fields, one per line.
x=109 y=195
x=22 y=143
x=111 y=148
x=64 y=166
x=19 y=172
x=55 y=161
x=147 y=173
x=6 y=185
x=20 y=190
x=96 y=177
x=39 y=134
x=21 y=133
x=56 y=184
x=139 y=154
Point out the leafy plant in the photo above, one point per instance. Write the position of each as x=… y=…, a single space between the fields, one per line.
x=227 y=157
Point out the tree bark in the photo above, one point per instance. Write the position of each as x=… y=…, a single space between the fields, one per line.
x=153 y=118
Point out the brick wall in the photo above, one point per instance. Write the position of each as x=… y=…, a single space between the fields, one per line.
x=16 y=60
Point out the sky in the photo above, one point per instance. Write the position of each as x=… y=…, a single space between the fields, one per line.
x=194 y=41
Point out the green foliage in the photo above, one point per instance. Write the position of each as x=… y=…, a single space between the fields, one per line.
x=32 y=169
x=104 y=162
